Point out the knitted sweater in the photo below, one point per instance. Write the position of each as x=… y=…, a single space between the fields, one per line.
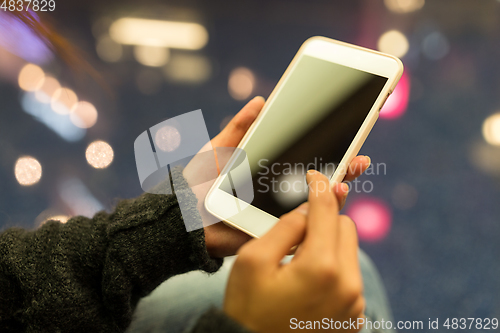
x=88 y=274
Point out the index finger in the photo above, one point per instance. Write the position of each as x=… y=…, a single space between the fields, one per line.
x=236 y=129
x=357 y=167
x=322 y=226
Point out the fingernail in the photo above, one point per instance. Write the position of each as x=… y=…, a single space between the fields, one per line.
x=311 y=172
x=369 y=160
x=260 y=97
x=345 y=188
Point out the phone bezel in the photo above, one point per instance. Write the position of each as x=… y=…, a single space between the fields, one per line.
x=257 y=222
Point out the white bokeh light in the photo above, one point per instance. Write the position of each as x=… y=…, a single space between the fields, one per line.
x=27 y=170
x=108 y=50
x=60 y=218
x=404 y=6
x=168 y=138
x=63 y=100
x=241 y=83
x=47 y=90
x=83 y=115
x=31 y=77
x=393 y=42
x=491 y=129
x=99 y=154
x=151 y=56
x=188 y=68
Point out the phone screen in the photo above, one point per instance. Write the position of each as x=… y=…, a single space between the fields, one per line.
x=310 y=124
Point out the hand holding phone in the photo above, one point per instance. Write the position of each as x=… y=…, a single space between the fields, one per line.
x=220 y=239
x=317 y=117
x=323 y=280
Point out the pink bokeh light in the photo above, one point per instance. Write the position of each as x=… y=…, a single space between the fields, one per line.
x=373 y=218
x=397 y=103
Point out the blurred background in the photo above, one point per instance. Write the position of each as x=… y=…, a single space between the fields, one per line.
x=428 y=213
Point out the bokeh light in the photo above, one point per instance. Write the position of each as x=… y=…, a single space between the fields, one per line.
x=292 y=191
x=28 y=170
x=404 y=196
x=485 y=157
x=168 y=138
x=63 y=100
x=78 y=198
x=404 y=6
x=54 y=214
x=83 y=115
x=136 y=31
x=397 y=103
x=108 y=50
x=188 y=68
x=151 y=56
x=19 y=38
x=435 y=46
x=59 y=123
x=491 y=129
x=31 y=77
x=99 y=154
x=393 y=42
x=373 y=218
x=241 y=83
x=47 y=90
x=60 y=218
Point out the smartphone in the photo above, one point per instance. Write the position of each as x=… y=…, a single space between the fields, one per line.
x=317 y=117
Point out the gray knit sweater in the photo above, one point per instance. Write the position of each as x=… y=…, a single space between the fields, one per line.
x=88 y=275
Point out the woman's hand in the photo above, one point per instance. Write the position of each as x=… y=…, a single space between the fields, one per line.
x=220 y=239
x=322 y=281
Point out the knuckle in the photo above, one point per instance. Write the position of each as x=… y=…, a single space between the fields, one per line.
x=323 y=194
x=240 y=123
x=326 y=272
x=359 y=307
x=294 y=221
x=353 y=293
x=328 y=198
x=355 y=168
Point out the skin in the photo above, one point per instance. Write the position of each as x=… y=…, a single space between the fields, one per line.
x=323 y=280
x=220 y=239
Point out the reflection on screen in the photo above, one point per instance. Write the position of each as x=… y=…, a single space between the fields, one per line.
x=309 y=125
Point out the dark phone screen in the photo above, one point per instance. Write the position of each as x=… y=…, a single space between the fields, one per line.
x=309 y=125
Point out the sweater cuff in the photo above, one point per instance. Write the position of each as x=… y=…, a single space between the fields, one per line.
x=190 y=216
x=216 y=321
x=148 y=237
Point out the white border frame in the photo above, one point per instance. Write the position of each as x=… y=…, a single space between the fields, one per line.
x=257 y=222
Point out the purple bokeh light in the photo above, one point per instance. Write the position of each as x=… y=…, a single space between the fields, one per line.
x=19 y=39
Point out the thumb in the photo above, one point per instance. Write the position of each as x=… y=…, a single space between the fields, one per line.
x=234 y=131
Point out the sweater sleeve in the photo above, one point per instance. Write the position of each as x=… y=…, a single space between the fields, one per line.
x=87 y=275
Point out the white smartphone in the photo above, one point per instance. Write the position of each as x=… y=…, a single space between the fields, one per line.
x=317 y=117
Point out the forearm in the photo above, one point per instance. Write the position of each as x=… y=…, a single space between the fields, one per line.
x=89 y=273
